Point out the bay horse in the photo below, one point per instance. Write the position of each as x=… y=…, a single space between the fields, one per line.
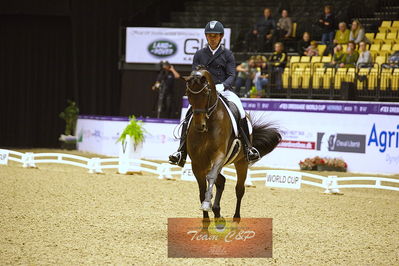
x=209 y=139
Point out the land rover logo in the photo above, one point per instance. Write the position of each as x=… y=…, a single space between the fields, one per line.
x=162 y=48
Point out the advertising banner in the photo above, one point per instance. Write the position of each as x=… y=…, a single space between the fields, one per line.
x=364 y=134
x=176 y=45
x=99 y=134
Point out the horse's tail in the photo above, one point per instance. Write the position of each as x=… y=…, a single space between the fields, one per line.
x=265 y=136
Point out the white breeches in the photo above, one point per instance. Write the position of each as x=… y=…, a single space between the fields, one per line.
x=232 y=97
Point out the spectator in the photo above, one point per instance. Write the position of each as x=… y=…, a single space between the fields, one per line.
x=365 y=58
x=393 y=61
x=342 y=34
x=337 y=57
x=284 y=26
x=263 y=31
x=164 y=85
x=350 y=58
x=277 y=62
x=262 y=76
x=357 y=33
x=245 y=73
x=353 y=45
x=327 y=24
x=312 y=49
x=304 y=43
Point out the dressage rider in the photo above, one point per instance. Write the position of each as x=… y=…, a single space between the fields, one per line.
x=220 y=63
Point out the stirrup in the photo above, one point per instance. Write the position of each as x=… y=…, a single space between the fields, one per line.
x=253 y=155
x=177 y=158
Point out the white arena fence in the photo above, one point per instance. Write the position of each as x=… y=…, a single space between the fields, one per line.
x=330 y=184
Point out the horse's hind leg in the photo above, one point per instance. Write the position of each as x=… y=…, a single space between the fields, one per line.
x=220 y=181
x=241 y=168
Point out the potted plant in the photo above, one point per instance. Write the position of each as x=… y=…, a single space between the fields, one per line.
x=70 y=115
x=131 y=139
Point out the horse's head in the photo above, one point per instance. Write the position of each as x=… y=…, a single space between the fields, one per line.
x=202 y=96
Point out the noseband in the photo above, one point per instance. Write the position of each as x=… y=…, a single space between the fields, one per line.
x=209 y=109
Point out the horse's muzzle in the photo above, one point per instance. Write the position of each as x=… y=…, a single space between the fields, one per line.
x=202 y=128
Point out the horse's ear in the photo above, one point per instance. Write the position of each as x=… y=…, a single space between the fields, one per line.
x=200 y=67
x=185 y=78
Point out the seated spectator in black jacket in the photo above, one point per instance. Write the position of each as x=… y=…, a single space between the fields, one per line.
x=284 y=26
x=304 y=43
x=263 y=32
x=327 y=24
x=276 y=63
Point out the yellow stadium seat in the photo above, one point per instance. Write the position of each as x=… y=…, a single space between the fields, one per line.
x=326 y=59
x=350 y=75
x=344 y=47
x=395 y=24
x=305 y=59
x=327 y=78
x=370 y=36
x=380 y=59
x=317 y=80
x=294 y=27
x=374 y=54
x=375 y=47
x=362 y=77
x=295 y=59
x=383 y=29
x=380 y=37
x=395 y=47
x=306 y=79
x=286 y=77
x=372 y=79
x=385 y=82
x=391 y=37
x=385 y=50
x=386 y=47
x=315 y=59
x=321 y=48
x=296 y=78
x=395 y=80
x=386 y=23
x=340 y=76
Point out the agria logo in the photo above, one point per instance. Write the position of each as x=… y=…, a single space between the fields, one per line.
x=384 y=139
x=162 y=48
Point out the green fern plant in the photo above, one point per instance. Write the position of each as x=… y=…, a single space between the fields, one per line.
x=135 y=130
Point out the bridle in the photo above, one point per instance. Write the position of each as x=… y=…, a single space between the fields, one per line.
x=209 y=109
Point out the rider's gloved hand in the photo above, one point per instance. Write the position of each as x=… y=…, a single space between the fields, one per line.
x=219 y=87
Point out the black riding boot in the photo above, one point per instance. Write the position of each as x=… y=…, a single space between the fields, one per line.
x=251 y=153
x=179 y=157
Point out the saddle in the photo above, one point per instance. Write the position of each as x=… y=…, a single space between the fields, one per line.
x=233 y=108
x=236 y=145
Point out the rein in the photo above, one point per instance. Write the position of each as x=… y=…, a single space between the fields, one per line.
x=209 y=109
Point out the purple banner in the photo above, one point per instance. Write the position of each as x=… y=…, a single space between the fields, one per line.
x=124 y=118
x=317 y=106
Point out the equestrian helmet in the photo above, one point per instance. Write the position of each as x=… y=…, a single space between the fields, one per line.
x=214 y=26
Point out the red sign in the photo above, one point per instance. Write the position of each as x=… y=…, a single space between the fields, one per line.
x=220 y=238
x=296 y=144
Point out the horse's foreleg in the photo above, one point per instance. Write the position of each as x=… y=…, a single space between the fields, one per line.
x=202 y=189
x=211 y=178
x=220 y=181
x=241 y=168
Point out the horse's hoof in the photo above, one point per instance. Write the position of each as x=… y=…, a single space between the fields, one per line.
x=206 y=206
